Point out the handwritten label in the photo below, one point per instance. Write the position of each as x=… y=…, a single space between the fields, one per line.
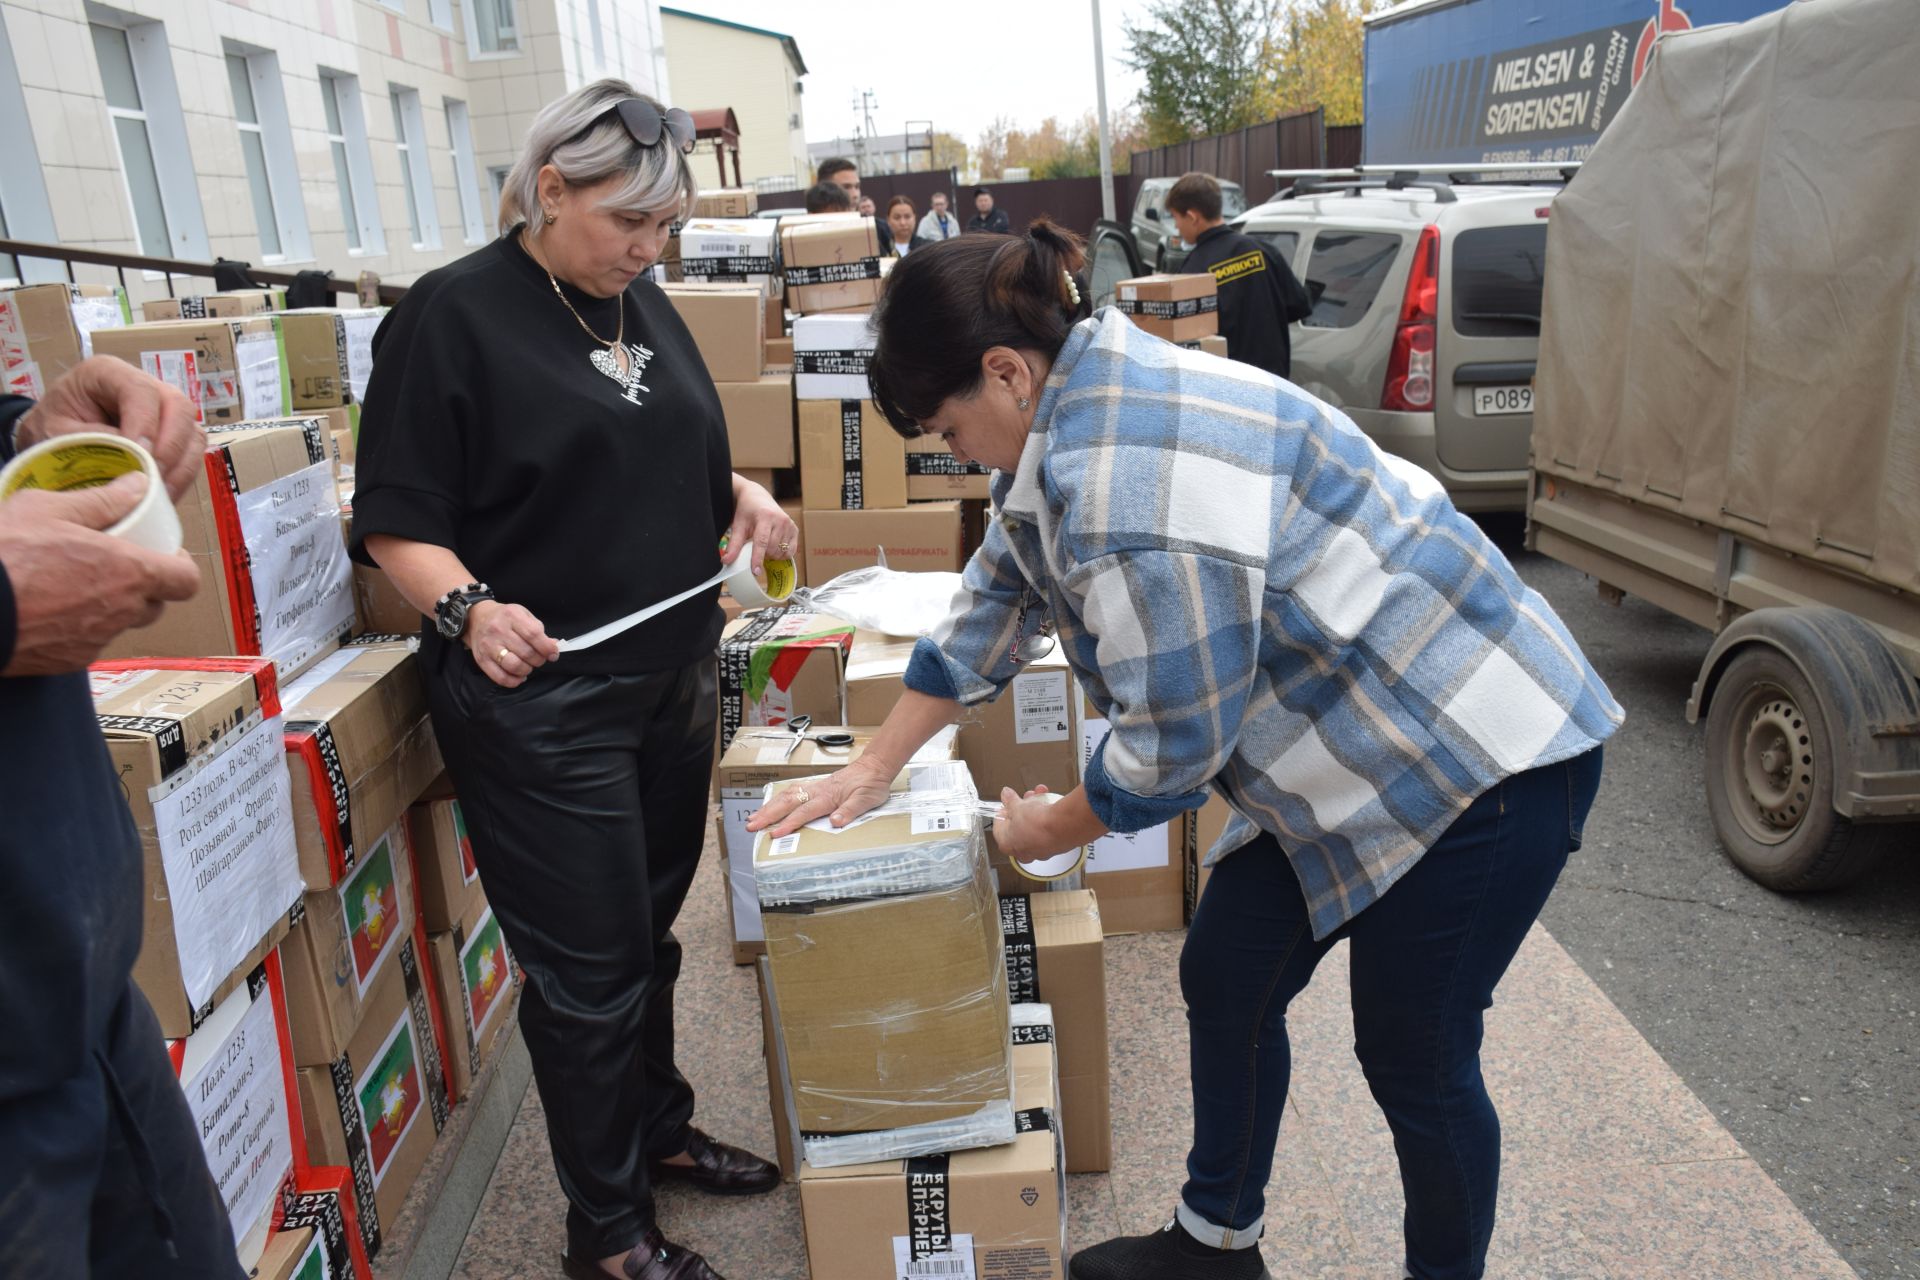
x=302 y=580
x=236 y=1093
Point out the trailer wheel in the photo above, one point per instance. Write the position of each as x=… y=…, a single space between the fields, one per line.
x=1770 y=780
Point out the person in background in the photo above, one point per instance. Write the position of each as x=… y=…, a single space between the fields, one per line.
x=985 y=216
x=1259 y=294
x=102 y=1172
x=583 y=776
x=938 y=224
x=828 y=197
x=843 y=173
x=866 y=207
x=899 y=226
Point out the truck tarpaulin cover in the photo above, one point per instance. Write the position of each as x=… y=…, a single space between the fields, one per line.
x=1731 y=328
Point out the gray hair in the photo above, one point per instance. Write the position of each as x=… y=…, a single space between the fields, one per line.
x=658 y=178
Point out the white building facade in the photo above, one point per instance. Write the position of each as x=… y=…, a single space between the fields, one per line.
x=344 y=135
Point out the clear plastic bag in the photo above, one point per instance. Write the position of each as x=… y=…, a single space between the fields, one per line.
x=886 y=600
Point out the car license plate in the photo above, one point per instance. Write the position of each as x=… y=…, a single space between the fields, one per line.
x=1489 y=401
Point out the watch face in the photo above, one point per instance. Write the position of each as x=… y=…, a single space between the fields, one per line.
x=453 y=620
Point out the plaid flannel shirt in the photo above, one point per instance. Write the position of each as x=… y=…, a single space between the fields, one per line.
x=1261 y=601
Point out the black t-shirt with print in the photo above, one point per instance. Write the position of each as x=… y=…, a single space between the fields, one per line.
x=490 y=429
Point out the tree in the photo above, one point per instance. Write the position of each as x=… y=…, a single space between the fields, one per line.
x=1209 y=65
x=1056 y=150
x=949 y=152
x=1320 y=59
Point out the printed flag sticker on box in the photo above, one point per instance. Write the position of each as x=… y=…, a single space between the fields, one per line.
x=485 y=971
x=390 y=1095
x=372 y=905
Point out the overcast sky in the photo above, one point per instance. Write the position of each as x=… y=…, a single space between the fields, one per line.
x=956 y=63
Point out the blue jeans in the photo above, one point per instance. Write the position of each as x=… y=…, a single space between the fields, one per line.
x=1425 y=960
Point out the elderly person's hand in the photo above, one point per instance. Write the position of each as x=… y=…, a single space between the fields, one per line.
x=104 y=394
x=508 y=642
x=839 y=797
x=759 y=520
x=74 y=587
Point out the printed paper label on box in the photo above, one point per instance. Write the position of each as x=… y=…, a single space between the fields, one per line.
x=238 y=1100
x=1040 y=707
x=302 y=580
x=390 y=1096
x=955 y=1263
x=1121 y=850
x=258 y=358
x=92 y=313
x=370 y=904
x=360 y=353
x=226 y=839
x=737 y=804
x=181 y=371
x=484 y=972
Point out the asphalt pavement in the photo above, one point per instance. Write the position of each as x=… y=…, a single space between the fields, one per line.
x=1792 y=1018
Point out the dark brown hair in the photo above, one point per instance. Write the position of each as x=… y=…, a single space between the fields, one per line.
x=947 y=304
x=899 y=200
x=832 y=165
x=1196 y=193
x=828 y=197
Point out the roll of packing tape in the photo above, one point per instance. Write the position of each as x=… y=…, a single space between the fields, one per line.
x=92 y=458
x=746 y=589
x=1060 y=864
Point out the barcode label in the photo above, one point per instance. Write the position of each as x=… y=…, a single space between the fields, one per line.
x=955 y=1260
x=925 y=822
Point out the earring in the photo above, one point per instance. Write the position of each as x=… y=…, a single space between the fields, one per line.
x=550 y=216
x=1023 y=402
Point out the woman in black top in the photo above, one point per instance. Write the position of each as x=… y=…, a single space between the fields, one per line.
x=542 y=452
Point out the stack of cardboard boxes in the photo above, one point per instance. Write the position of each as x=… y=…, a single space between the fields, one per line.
x=46 y=329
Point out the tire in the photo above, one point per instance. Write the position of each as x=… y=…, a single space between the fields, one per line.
x=1770 y=773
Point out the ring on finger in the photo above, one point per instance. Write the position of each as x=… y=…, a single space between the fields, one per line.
x=799 y=794
x=503 y=655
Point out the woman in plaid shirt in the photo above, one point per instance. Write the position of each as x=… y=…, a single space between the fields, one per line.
x=1263 y=605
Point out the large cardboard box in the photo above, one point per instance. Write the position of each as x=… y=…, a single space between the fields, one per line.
x=831 y=261
x=780 y=663
x=378 y=1108
x=779 y=352
x=1056 y=955
x=731 y=250
x=923 y=536
x=1204 y=826
x=237 y=1074
x=726 y=202
x=195 y=745
x=759 y=419
x=362 y=749
x=1140 y=875
x=448 y=883
x=348 y=939
x=475 y=977
x=328 y=354
x=830 y=354
x=231 y=370
x=1024 y=739
x=885 y=950
x=262 y=523
x=728 y=324
x=934 y=474
x=850 y=458
x=378 y=607
x=46 y=329
x=202 y=306
x=323 y=1203
x=1177 y=308
x=995 y=1212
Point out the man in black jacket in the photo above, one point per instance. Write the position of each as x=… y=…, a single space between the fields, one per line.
x=1259 y=294
x=101 y=1170
x=985 y=216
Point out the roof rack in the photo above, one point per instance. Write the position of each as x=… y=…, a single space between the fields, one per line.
x=1440 y=179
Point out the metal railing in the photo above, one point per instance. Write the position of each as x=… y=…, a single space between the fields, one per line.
x=69 y=255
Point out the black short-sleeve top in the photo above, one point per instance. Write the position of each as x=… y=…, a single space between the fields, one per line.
x=491 y=428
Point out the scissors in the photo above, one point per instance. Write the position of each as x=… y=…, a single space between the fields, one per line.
x=829 y=740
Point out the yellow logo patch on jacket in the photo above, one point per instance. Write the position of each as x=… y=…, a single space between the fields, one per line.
x=1238 y=268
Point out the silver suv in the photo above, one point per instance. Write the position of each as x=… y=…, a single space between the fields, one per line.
x=1160 y=246
x=1426 y=317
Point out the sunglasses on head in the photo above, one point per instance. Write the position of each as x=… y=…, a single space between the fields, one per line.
x=645 y=123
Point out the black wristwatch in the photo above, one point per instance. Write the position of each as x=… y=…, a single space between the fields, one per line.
x=450 y=610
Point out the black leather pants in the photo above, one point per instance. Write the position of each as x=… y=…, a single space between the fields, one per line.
x=587 y=799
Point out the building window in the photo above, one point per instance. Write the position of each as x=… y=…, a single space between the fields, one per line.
x=266 y=144
x=493 y=26
x=440 y=14
x=150 y=133
x=127 y=109
x=24 y=209
x=352 y=162
x=9 y=268
x=465 y=179
x=409 y=138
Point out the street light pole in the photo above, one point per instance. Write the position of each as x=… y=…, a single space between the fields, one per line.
x=1106 y=142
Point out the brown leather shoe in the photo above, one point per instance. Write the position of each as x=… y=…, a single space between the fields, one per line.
x=654 y=1258
x=720 y=1169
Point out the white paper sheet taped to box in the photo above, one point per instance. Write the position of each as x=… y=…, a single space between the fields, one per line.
x=225 y=830
x=257 y=356
x=302 y=579
x=1040 y=707
x=236 y=1092
x=1120 y=850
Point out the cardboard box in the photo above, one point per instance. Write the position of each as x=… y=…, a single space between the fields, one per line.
x=994 y=1212
x=850 y=458
x=448 y=882
x=46 y=329
x=727 y=323
x=1056 y=955
x=378 y=607
x=779 y=352
x=475 y=978
x=759 y=420
x=378 y=1108
x=924 y=536
x=323 y=1203
x=236 y=1072
x=221 y=865
x=1024 y=739
x=786 y=1136
x=831 y=262
x=758 y=757
x=205 y=306
x=328 y=354
x=347 y=940
x=1140 y=875
x=934 y=474
x=777 y=321
x=262 y=524
x=888 y=975
x=362 y=749
x=291 y=1255
x=732 y=250
x=1204 y=826
x=780 y=663
x=1177 y=308
x=1213 y=344
x=830 y=355
x=876 y=671
x=727 y=202
x=231 y=370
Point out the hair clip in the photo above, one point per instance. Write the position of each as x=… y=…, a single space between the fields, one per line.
x=1073 y=290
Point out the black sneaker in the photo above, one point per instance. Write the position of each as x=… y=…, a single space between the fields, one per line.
x=1168 y=1254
